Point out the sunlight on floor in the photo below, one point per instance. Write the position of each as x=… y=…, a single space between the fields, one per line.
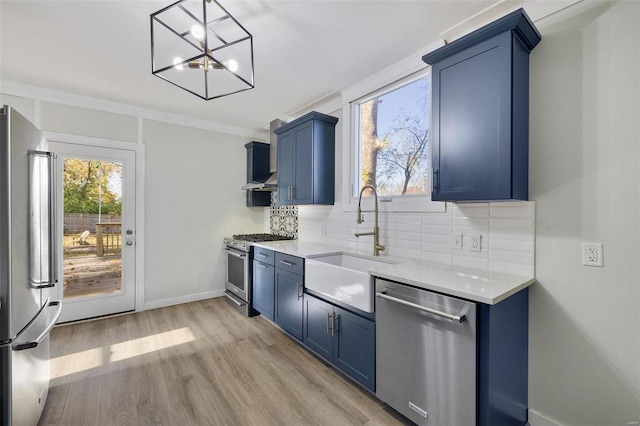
x=145 y=345
x=92 y=358
x=76 y=362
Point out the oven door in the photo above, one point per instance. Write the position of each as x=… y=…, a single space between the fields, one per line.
x=237 y=273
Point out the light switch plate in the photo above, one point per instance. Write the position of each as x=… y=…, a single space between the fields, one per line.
x=456 y=241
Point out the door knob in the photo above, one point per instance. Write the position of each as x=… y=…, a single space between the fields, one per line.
x=129 y=243
x=129 y=232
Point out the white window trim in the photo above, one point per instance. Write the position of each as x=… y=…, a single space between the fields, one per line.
x=387 y=81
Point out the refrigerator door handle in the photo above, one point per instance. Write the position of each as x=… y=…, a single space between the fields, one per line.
x=36 y=326
x=53 y=247
x=52 y=278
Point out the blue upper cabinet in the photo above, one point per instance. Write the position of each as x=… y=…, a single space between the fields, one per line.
x=306 y=160
x=480 y=112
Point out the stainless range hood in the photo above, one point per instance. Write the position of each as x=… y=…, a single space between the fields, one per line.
x=271 y=183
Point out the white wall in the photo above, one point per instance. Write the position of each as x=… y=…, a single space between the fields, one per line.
x=193 y=200
x=584 y=159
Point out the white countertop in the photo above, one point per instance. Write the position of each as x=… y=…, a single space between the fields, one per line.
x=473 y=284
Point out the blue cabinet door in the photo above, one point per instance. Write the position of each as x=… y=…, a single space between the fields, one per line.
x=264 y=289
x=302 y=192
x=289 y=302
x=355 y=346
x=286 y=167
x=306 y=160
x=318 y=316
x=472 y=92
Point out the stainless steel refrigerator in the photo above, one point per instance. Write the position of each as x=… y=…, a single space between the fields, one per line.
x=27 y=268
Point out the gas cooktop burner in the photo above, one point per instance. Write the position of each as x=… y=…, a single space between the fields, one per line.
x=255 y=238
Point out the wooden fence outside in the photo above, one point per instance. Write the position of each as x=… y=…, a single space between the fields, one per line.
x=79 y=222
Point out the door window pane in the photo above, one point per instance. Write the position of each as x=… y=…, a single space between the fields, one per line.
x=92 y=233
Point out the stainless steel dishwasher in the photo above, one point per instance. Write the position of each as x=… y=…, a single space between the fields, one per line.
x=426 y=354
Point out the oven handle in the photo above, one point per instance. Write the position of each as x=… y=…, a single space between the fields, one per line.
x=234 y=254
x=233 y=300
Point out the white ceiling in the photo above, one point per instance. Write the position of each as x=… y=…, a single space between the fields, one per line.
x=303 y=49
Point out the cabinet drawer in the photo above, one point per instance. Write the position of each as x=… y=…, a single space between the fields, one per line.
x=263 y=255
x=289 y=263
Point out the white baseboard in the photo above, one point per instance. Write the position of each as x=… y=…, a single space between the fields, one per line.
x=183 y=299
x=537 y=419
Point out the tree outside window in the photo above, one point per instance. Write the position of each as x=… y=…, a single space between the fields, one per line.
x=393 y=140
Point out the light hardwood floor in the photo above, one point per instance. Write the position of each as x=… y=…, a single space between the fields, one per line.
x=198 y=363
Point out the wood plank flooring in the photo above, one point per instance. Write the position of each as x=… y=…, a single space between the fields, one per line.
x=199 y=363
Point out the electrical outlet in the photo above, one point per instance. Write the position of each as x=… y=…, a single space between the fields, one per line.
x=475 y=242
x=592 y=254
x=456 y=241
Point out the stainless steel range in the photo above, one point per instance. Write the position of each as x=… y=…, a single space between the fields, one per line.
x=239 y=258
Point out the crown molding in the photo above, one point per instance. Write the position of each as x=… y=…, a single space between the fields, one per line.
x=25 y=90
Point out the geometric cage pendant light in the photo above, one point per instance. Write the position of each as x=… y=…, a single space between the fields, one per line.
x=198 y=46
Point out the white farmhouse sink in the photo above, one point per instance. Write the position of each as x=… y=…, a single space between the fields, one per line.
x=343 y=278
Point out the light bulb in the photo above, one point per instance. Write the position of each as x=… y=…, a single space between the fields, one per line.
x=198 y=32
x=232 y=65
x=177 y=62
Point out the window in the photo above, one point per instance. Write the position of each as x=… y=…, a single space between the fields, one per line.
x=391 y=139
x=386 y=126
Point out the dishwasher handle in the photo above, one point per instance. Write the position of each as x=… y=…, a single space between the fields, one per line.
x=451 y=317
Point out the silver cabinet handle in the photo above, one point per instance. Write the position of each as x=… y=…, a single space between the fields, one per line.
x=300 y=293
x=261 y=255
x=329 y=322
x=234 y=254
x=260 y=265
x=456 y=318
x=334 y=329
x=284 y=262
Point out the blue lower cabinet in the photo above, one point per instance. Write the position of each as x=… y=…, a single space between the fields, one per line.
x=341 y=337
x=289 y=302
x=354 y=346
x=503 y=361
x=263 y=289
x=318 y=316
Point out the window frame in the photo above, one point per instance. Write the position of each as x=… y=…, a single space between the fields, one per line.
x=351 y=168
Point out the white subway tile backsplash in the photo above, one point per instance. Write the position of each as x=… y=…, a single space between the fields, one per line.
x=471 y=210
x=437 y=257
x=513 y=209
x=512 y=245
x=507 y=229
x=512 y=268
x=512 y=257
x=437 y=248
x=498 y=222
x=428 y=229
x=471 y=262
x=522 y=234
